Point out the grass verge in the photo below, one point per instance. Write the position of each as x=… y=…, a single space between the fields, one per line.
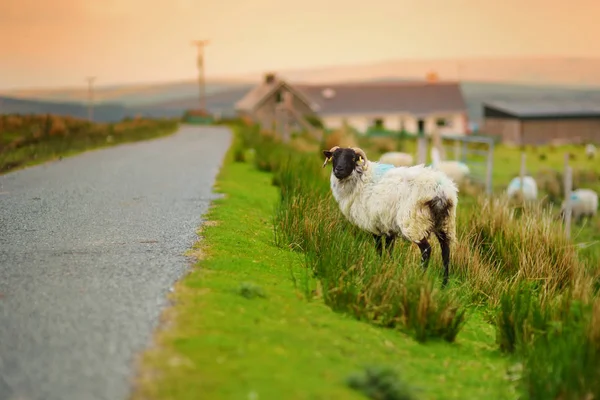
x=241 y=327
x=34 y=139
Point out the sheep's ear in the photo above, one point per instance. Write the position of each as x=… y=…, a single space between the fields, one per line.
x=328 y=154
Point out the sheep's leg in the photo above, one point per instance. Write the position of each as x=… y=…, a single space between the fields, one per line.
x=390 y=244
x=445 y=246
x=425 y=248
x=378 y=243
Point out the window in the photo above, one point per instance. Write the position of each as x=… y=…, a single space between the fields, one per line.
x=278 y=97
x=378 y=123
x=443 y=122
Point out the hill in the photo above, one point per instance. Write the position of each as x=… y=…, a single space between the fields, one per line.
x=106 y=112
x=131 y=95
x=578 y=72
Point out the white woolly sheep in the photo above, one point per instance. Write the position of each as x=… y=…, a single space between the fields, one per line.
x=397 y=159
x=456 y=170
x=590 y=151
x=530 y=190
x=584 y=203
x=387 y=201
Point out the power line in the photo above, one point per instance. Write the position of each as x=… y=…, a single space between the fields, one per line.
x=90 y=81
x=200 y=44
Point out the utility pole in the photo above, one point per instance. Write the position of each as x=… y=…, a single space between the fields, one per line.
x=90 y=81
x=200 y=46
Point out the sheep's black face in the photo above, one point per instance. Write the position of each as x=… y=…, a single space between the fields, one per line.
x=343 y=160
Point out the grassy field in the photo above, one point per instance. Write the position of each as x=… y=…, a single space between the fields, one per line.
x=32 y=139
x=287 y=300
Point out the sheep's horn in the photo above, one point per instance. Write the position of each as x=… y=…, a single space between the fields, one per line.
x=327 y=159
x=360 y=152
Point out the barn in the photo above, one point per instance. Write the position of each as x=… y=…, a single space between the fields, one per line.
x=542 y=122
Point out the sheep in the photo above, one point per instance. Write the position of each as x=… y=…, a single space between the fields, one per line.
x=590 y=151
x=397 y=159
x=456 y=170
x=530 y=190
x=387 y=201
x=584 y=203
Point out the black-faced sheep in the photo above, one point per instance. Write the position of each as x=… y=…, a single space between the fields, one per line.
x=387 y=201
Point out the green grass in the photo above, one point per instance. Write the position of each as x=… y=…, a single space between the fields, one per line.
x=219 y=341
x=35 y=139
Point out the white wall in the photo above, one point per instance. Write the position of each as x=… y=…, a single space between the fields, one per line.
x=456 y=122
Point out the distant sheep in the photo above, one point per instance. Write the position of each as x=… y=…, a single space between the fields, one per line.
x=590 y=151
x=410 y=202
x=530 y=190
x=397 y=159
x=456 y=170
x=584 y=203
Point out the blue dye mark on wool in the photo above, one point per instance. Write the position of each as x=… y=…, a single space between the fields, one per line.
x=574 y=196
x=516 y=184
x=381 y=169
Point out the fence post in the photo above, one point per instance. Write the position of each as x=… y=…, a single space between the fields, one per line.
x=421 y=149
x=568 y=187
x=490 y=168
x=522 y=173
x=457 y=150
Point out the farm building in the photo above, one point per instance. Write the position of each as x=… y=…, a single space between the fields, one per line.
x=542 y=122
x=410 y=106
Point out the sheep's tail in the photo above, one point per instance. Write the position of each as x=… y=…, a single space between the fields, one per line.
x=443 y=213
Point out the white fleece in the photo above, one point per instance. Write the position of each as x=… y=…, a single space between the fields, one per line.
x=584 y=202
x=530 y=191
x=397 y=159
x=386 y=199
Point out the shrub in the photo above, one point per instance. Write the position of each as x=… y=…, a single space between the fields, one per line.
x=380 y=383
x=565 y=363
x=340 y=137
x=506 y=244
x=520 y=318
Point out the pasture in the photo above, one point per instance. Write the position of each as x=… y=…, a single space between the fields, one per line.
x=287 y=297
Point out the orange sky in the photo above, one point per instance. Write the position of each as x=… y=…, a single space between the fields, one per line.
x=59 y=42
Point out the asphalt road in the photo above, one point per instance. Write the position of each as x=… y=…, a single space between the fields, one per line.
x=89 y=248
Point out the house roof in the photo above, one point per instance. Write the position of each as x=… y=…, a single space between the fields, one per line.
x=261 y=92
x=418 y=98
x=547 y=108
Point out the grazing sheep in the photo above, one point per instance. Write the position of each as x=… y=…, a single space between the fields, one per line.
x=410 y=202
x=456 y=170
x=584 y=203
x=590 y=151
x=397 y=159
x=530 y=190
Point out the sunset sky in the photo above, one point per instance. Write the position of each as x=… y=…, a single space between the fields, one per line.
x=59 y=42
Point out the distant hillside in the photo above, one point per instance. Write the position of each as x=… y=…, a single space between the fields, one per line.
x=128 y=94
x=221 y=102
x=102 y=112
x=533 y=70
